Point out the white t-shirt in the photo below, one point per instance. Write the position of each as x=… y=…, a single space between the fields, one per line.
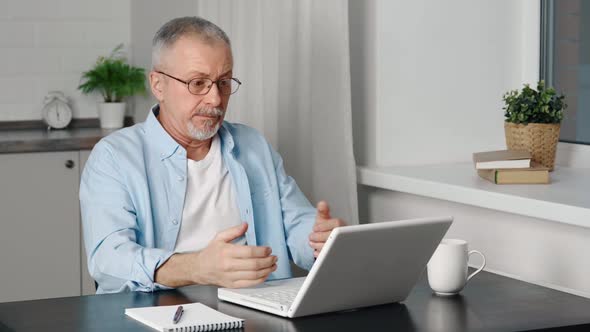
x=210 y=204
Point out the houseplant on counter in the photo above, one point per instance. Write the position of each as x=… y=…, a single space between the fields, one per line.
x=533 y=120
x=115 y=80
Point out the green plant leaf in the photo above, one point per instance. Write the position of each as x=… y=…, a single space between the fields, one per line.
x=113 y=78
x=543 y=105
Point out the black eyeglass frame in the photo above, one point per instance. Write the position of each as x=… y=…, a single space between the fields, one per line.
x=204 y=78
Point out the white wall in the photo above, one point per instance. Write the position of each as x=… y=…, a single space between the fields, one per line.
x=440 y=70
x=535 y=250
x=46 y=45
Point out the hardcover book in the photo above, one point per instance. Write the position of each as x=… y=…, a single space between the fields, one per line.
x=502 y=159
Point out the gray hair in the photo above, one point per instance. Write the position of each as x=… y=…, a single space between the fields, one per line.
x=172 y=30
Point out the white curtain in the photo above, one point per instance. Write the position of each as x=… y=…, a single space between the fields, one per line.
x=293 y=57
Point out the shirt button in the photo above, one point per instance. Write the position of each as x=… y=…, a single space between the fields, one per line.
x=247 y=211
x=180 y=178
x=162 y=154
x=175 y=222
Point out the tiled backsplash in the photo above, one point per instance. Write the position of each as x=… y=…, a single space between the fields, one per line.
x=46 y=45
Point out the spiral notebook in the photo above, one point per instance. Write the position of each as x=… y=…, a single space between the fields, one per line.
x=196 y=317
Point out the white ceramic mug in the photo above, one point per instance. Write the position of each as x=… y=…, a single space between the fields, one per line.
x=447 y=268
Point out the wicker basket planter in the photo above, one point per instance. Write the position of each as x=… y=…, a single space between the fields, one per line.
x=540 y=139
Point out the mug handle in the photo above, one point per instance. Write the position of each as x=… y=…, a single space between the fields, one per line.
x=482 y=265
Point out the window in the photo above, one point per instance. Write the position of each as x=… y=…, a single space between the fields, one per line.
x=565 y=62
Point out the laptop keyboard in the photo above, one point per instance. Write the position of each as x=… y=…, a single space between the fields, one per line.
x=284 y=296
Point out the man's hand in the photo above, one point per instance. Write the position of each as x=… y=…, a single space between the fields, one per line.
x=324 y=224
x=230 y=265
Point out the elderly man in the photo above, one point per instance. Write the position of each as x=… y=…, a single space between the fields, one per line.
x=184 y=197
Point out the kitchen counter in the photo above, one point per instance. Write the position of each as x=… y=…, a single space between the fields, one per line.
x=42 y=140
x=33 y=136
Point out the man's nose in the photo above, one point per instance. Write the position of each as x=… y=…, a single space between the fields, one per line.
x=213 y=97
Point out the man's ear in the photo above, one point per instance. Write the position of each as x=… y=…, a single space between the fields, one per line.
x=157 y=85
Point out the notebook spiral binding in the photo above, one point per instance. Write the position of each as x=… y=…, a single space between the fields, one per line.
x=209 y=327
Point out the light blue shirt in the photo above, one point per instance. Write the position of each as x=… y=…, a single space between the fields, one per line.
x=132 y=196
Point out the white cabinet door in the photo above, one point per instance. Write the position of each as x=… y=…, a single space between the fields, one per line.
x=87 y=281
x=39 y=225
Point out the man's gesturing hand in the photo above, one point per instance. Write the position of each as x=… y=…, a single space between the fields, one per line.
x=324 y=224
x=230 y=265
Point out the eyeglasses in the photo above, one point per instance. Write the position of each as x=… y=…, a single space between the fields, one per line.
x=202 y=86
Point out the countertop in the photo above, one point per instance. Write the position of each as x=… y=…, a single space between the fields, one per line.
x=42 y=140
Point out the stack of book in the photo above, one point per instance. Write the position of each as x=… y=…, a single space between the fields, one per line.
x=510 y=167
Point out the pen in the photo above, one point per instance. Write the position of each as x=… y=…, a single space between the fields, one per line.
x=177 y=315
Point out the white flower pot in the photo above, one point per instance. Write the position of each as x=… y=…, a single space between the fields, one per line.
x=111 y=115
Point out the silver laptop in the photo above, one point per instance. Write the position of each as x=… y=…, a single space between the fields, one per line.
x=359 y=266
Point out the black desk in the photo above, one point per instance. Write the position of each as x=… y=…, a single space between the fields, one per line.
x=488 y=303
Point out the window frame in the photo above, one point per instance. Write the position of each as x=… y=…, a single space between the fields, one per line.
x=546 y=62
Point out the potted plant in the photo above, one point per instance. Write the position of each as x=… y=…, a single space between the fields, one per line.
x=533 y=119
x=115 y=79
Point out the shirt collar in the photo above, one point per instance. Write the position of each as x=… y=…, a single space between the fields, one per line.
x=226 y=138
x=156 y=134
x=167 y=146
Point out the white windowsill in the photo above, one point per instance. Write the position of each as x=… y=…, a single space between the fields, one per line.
x=566 y=199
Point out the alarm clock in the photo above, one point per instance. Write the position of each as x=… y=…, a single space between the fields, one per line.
x=56 y=111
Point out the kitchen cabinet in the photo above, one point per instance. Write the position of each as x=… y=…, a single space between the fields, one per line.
x=39 y=225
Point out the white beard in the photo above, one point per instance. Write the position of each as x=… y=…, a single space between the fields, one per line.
x=202 y=135
x=209 y=131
